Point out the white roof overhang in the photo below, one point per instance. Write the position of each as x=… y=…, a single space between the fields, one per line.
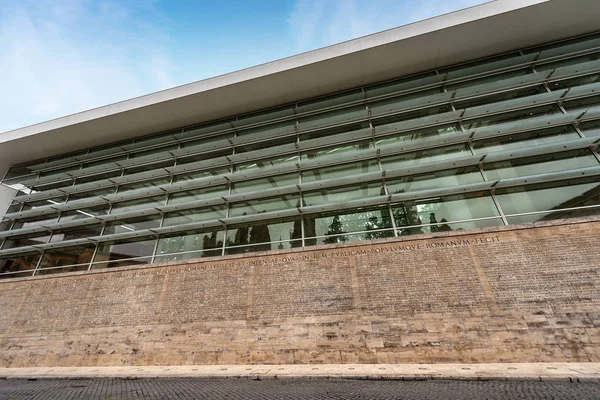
x=492 y=28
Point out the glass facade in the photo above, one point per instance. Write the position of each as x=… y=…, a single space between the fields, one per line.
x=509 y=139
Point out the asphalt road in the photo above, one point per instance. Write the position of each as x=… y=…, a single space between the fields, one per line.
x=215 y=389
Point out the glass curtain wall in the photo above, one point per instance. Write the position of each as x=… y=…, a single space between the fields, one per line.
x=504 y=140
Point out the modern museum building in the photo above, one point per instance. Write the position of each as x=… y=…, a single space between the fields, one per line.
x=429 y=193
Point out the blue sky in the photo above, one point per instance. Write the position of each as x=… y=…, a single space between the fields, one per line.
x=59 y=57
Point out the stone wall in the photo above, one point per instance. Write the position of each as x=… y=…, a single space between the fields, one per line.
x=525 y=293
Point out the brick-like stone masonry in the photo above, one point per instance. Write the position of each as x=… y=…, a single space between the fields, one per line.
x=525 y=293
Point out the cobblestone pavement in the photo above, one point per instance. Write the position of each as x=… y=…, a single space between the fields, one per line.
x=194 y=388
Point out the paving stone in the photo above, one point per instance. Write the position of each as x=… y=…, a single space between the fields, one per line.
x=215 y=389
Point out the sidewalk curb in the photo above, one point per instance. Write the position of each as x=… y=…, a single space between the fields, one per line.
x=540 y=372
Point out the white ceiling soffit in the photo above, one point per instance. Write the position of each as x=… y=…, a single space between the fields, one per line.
x=480 y=31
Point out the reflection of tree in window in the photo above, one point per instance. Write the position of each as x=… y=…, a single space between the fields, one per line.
x=240 y=239
x=296 y=231
x=310 y=230
x=406 y=214
x=261 y=236
x=374 y=224
x=335 y=234
x=210 y=243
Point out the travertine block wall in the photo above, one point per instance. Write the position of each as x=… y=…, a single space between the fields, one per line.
x=510 y=294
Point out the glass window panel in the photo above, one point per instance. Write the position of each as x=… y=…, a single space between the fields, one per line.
x=331 y=101
x=405 y=116
x=159 y=140
x=142 y=185
x=83 y=213
x=138 y=204
x=196 y=215
x=337 y=149
x=188 y=176
x=208 y=141
x=266 y=163
x=392 y=137
x=14 y=207
x=413 y=82
x=581 y=104
x=15 y=184
x=5 y=225
x=18 y=264
x=190 y=245
x=25 y=240
x=335 y=130
x=549 y=196
x=36 y=221
x=205 y=130
x=21 y=189
x=425 y=156
x=261 y=116
x=108 y=151
x=199 y=194
x=131 y=225
x=61 y=270
x=42 y=203
x=394 y=104
x=160 y=151
x=572 y=82
x=265 y=183
x=251 y=207
x=122 y=263
x=442 y=210
x=565 y=46
x=18 y=171
x=511 y=116
x=525 y=139
x=105 y=161
x=340 y=171
x=540 y=164
x=76 y=232
x=497 y=97
x=452 y=226
x=259 y=235
x=149 y=166
x=50 y=186
x=76 y=255
x=590 y=128
x=567 y=62
x=335 y=227
x=489 y=62
x=100 y=176
x=281 y=129
x=60 y=171
x=123 y=249
x=92 y=193
x=576 y=213
x=489 y=79
x=332 y=117
x=437 y=179
x=204 y=156
x=339 y=195
x=244 y=148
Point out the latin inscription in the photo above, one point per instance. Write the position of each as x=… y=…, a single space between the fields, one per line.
x=272 y=260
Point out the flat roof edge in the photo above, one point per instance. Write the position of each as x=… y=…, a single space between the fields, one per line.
x=405 y=32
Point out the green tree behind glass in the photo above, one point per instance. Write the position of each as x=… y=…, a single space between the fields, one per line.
x=335 y=234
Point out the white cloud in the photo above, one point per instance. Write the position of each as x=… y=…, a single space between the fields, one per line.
x=66 y=56
x=318 y=23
